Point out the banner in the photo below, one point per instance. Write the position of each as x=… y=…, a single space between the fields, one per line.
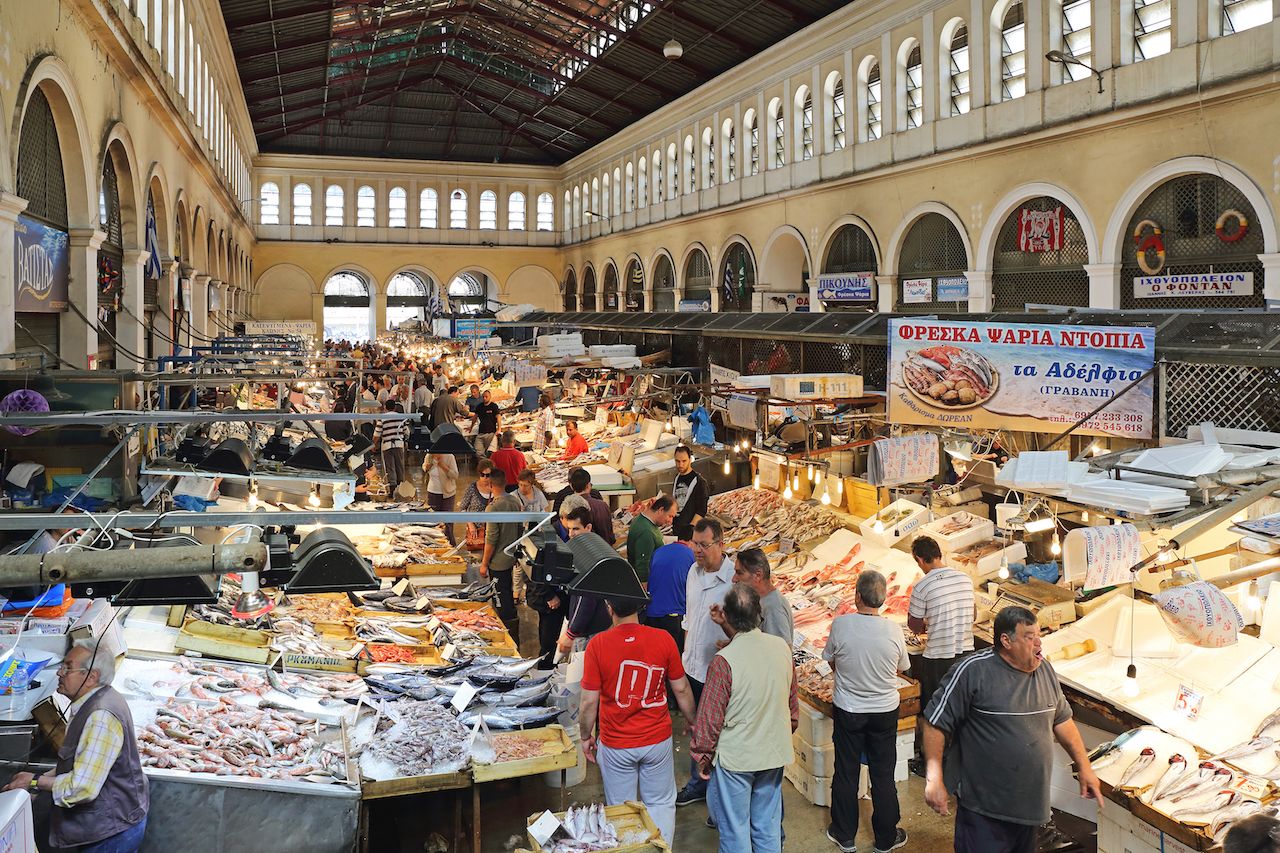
x=41 y=267
x=1194 y=284
x=953 y=289
x=695 y=306
x=1040 y=230
x=1038 y=378
x=477 y=327
x=302 y=328
x=916 y=290
x=846 y=286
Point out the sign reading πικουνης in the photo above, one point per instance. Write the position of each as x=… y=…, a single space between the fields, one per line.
x=846 y=286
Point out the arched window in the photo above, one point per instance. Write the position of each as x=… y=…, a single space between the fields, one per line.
x=269 y=204
x=515 y=212
x=618 y=192
x=634 y=286
x=488 y=210
x=752 y=123
x=1077 y=37
x=1152 y=28
x=956 y=82
x=629 y=189
x=872 y=125
x=604 y=195
x=833 y=92
x=546 y=212
x=589 y=287
x=697 y=278
x=729 y=145
x=642 y=183
x=408 y=298
x=777 y=134
x=348 y=307
x=738 y=279
x=805 y=101
x=365 y=203
x=569 y=292
x=851 y=251
x=428 y=209
x=1013 y=52
x=302 y=204
x=657 y=176
x=333 y=205
x=664 y=284
x=1239 y=15
x=673 y=172
x=708 y=159
x=595 y=202
x=457 y=209
x=933 y=258
x=576 y=220
x=912 y=85
x=468 y=293
x=609 y=296
x=1052 y=272
x=690 y=166
x=398 y=208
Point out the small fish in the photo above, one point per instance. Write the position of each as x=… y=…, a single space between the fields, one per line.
x=1219 y=828
x=1244 y=750
x=508 y=719
x=1232 y=814
x=1221 y=778
x=1205 y=771
x=1267 y=722
x=1177 y=766
x=1189 y=814
x=1139 y=764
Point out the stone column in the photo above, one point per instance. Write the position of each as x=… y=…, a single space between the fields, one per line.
x=1104 y=285
x=815 y=304
x=199 y=310
x=163 y=331
x=1270 y=275
x=380 y=310
x=10 y=206
x=981 y=296
x=886 y=292
x=78 y=339
x=130 y=332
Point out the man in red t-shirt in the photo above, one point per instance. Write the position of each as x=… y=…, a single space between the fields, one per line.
x=577 y=444
x=625 y=677
x=509 y=459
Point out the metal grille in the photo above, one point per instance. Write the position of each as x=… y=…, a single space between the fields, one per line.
x=40 y=179
x=36 y=327
x=109 y=210
x=1187 y=209
x=931 y=249
x=150 y=293
x=1233 y=396
x=1049 y=278
x=633 y=285
x=772 y=357
x=664 y=285
x=740 y=272
x=589 y=289
x=851 y=251
x=875 y=366
x=569 y=294
x=832 y=358
x=697 y=276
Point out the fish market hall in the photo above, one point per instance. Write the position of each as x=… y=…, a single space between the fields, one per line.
x=643 y=426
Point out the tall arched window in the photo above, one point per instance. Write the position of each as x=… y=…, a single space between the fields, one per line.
x=333 y=205
x=546 y=212
x=657 y=176
x=752 y=123
x=664 y=284
x=697 y=277
x=587 y=209
x=568 y=210
x=642 y=183
x=408 y=298
x=956 y=83
x=515 y=212
x=629 y=189
x=302 y=204
x=805 y=147
x=366 y=202
x=833 y=92
x=488 y=210
x=708 y=158
x=269 y=204
x=1077 y=37
x=729 y=147
x=604 y=195
x=398 y=208
x=777 y=134
x=1013 y=52
x=618 y=192
x=457 y=209
x=690 y=166
x=468 y=293
x=872 y=124
x=1239 y=15
x=912 y=85
x=428 y=209
x=1152 y=28
x=348 y=307
x=576 y=220
x=673 y=172
x=595 y=201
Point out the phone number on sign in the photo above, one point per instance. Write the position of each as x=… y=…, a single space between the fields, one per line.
x=1112 y=422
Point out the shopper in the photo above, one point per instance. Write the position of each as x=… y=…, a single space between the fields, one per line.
x=668 y=573
x=477 y=498
x=388 y=438
x=473 y=399
x=588 y=614
x=601 y=518
x=530 y=493
x=100 y=794
x=624 y=689
x=488 y=423
x=710 y=577
x=1001 y=710
x=752 y=568
x=544 y=426
x=496 y=561
x=508 y=459
x=442 y=486
x=690 y=489
x=742 y=737
x=644 y=536
x=447 y=408
x=422 y=396
x=866 y=652
x=577 y=444
x=942 y=604
x=1254 y=834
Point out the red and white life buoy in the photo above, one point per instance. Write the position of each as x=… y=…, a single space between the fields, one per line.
x=1153 y=242
x=1242 y=226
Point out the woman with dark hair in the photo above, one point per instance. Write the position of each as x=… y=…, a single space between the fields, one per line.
x=477 y=498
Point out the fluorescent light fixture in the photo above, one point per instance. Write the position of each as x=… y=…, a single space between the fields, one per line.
x=1040 y=525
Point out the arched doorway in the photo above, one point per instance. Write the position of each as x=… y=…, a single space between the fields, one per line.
x=410 y=299
x=1193 y=225
x=569 y=297
x=849 y=271
x=610 y=300
x=931 y=268
x=664 y=284
x=738 y=278
x=589 y=290
x=1039 y=257
x=110 y=263
x=697 y=278
x=348 y=307
x=634 y=284
x=469 y=293
x=41 y=234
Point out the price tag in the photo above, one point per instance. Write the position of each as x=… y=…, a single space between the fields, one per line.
x=1253 y=788
x=823 y=668
x=544 y=827
x=463 y=697
x=448 y=651
x=786 y=546
x=401 y=587
x=432 y=623
x=1188 y=702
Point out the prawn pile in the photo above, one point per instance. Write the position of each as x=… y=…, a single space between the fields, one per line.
x=229 y=739
x=513 y=746
x=475 y=620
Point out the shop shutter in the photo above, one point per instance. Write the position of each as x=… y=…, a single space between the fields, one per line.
x=33 y=330
x=932 y=249
x=851 y=251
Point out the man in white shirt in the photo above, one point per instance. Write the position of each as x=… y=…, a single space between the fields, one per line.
x=422 y=396
x=706 y=585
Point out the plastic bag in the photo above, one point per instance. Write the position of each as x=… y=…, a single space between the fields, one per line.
x=16 y=674
x=1023 y=572
x=1201 y=614
x=703 y=432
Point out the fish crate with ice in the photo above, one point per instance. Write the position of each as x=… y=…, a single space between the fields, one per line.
x=627 y=818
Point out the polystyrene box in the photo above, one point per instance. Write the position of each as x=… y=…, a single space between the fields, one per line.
x=817 y=760
x=815 y=727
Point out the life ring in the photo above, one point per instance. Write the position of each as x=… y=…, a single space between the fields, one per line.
x=1242 y=227
x=1152 y=242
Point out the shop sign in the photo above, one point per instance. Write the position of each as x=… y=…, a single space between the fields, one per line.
x=611 y=300
x=917 y=290
x=846 y=286
x=798 y=302
x=1188 y=702
x=1040 y=230
x=1016 y=376
x=302 y=328
x=953 y=289
x=695 y=306
x=474 y=327
x=41 y=267
x=1194 y=284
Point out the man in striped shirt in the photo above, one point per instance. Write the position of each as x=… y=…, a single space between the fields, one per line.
x=388 y=436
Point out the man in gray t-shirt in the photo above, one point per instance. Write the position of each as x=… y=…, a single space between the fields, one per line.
x=1003 y=708
x=752 y=568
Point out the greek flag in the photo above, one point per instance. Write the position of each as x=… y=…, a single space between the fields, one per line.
x=730 y=290
x=434 y=305
x=153 y=243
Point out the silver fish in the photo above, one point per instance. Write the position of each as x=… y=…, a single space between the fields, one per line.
x=1267 y=722
x=1244 y=750
x=1107 y=759
x=1231 y=815
x=1177 y=766
x=1139 y=764
x=1206 y=810
x=1205 y=771
x=1221 y=778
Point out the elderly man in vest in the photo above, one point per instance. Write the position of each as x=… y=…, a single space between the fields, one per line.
x=99 y=792
x=742 y=737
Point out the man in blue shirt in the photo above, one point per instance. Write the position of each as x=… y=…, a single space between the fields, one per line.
x=668 y=571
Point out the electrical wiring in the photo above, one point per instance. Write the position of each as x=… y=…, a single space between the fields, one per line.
x=100 y=329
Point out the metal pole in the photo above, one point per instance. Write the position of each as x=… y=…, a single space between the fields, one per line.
x=93 y=566
x=1134 y=384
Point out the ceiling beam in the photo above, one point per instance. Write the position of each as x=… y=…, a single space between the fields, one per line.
x=355 y=56
x=515 y=130
x=631 y=38
x=733 y=41
x=350 y=33
x=237 y=24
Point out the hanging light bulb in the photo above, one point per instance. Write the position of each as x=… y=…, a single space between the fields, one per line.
x=787 y=493
x=1084 y=516
x=840 y=486
x=809 y=469
x=726 y=464
x=817 y=477
x=1055 y=547
x=1165 y=555
x=1003 y=574
x=313 y=499
x=1252 y=600
x=755 y=482
x=826 y=498
x=253 y=494
x=878 y=527
x=1131 y=681
x=795 y=482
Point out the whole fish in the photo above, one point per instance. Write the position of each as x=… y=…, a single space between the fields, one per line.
x=1221 y=778
x=1267 y=722
x=1205 y=771
x=1139 y=764
x=1189 y=814
x=507 y=719
x=1231 y=815
x=1219 y=828
x=1244 y=750
x=1177 y=766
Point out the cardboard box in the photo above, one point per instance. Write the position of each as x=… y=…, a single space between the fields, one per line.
x=815 y=727
x=815 y=789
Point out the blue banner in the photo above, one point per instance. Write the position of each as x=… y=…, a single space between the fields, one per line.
x=478 y=327
x=153 y=244
x=952 y=289
x=41 y=267
x=846 y=286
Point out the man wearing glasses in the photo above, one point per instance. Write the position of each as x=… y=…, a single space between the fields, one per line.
x=99 y=792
